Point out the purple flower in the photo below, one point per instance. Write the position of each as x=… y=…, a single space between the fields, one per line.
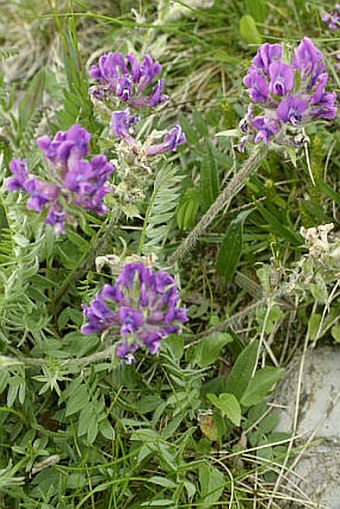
x=121 y=124
x=290 y=91
x=291 y=109
x=143 y=309
x=172 y=139
x=266 y=54
x=281 y=78
x=127 y=80
x=308 y=60
x=72 y=143
x=56 y=217
x=148 y=71
x=257 y=85
x=325 y=108
x=265 y=127
x=70 y=180
x=40 y=193
x=125 y=351
x=19 y=170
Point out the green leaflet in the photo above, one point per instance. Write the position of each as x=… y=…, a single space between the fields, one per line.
x=32 y=100
x=249 y=31
x=231 y=247
x=228 y=405
x=242 y=370
x=209 y=185
x=260 y=385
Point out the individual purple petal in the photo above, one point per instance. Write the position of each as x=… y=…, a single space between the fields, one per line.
x=325 y=108
x=291 y=109
x=131 y=320
x=135 y=68
x=320 y=88
x=125 y=351
x=246 y=122
x=18 y=168
x=56 y=217
x=148 y=71
x=308 y=59
x=257 y=85
x=122 y=125
x=40 y=193
x=281 y=78
x=172 y=139
x=156 y=97
x=265 y=128
x=99 y=316
x=124 y=88
x=266 y=54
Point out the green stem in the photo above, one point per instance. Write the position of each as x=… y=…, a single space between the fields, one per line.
x=222 y=201
x=86 y=260
x=108 y=353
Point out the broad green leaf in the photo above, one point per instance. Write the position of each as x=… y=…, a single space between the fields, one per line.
x=209 y=348
x=242 y=370
x=209 y=184
x=249 y=31
x=212 y=483
x=78 y=400
x=32 y=99
x=162 y=481
x=187 y=209
x=107 y=430
x=260 y=385
x=257 y=9
x=228 y=405
x=314 y=326
x=231 y=247
x=175 y=343
x=85 y=418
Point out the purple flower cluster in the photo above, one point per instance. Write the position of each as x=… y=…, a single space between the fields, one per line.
x=122 y=123
x=132 y=83
x=142 y=307
x=332 y=18
x=72 y=179
x=127 y=80
x=285 y=94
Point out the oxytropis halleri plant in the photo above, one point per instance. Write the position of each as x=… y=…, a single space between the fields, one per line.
x=71 y=181
x=141 y=308
x=287 y=91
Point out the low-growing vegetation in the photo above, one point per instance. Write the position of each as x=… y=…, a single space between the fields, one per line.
x=168 y=243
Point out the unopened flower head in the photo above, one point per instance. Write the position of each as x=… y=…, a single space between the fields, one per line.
x=71 y=179
x=141 y=308
x=286 y=93
x=128 y=81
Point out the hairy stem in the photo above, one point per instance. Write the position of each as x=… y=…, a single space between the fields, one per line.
x=222 y=201
x=99 y=243
x=108 y=353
